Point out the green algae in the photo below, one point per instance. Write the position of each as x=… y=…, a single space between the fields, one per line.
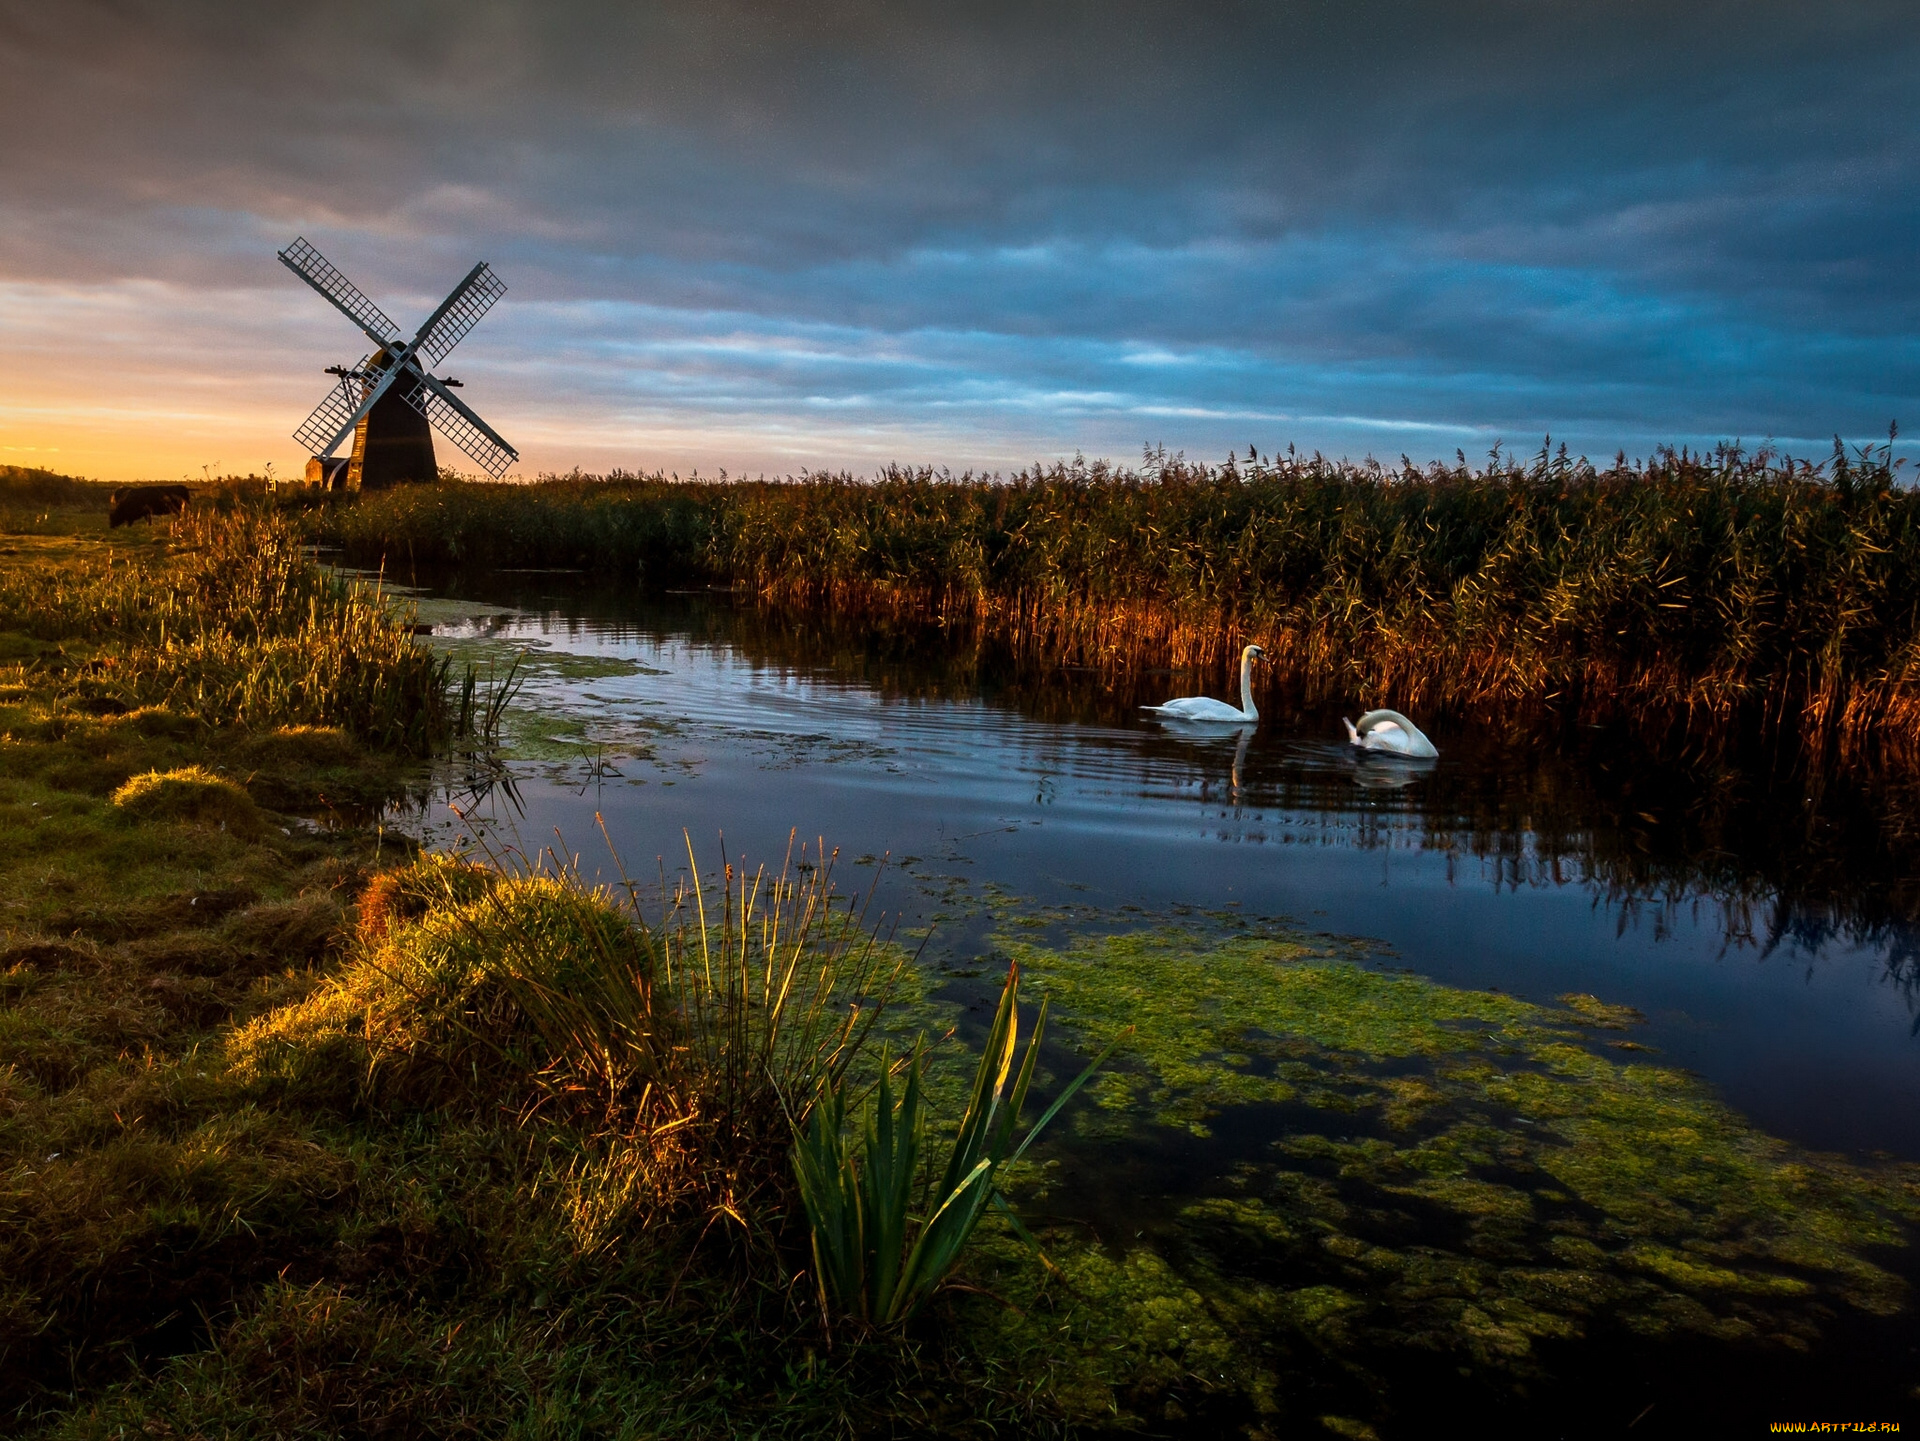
x=1456 y=1173
x=1115 y=1337
x=555 y=717
x=1205 y=1015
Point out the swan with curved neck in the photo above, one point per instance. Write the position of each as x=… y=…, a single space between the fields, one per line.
x=1389 y=731
x=1206 y=708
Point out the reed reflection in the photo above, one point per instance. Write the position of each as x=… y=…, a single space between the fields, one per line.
x=1764 y=848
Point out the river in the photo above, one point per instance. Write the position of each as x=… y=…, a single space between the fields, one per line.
x=1760 y=936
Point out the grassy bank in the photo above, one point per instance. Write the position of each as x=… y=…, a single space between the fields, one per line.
x=1714 y=593
x=301 y=1134
x=157 y=890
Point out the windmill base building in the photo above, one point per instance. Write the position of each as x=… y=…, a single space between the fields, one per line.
x=393 y=443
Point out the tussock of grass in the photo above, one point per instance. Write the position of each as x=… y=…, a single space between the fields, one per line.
x=315 y=747
x=406 y=893
x=429 y=1014
x=192 y=795
x=678 y=1058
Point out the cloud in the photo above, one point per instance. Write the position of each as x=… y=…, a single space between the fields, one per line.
x=990 y=230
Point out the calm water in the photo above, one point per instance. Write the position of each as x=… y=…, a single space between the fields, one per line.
x=1511 y=863
x=1759 y=923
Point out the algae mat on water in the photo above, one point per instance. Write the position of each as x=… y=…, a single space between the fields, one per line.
x=1440 y=1177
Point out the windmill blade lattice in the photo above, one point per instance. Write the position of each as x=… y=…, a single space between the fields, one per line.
x=486 y=451
x=331 y=416
x=314 y=268
x=473 y=300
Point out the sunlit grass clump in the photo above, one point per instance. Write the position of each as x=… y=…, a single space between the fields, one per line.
x=431 y=1012
x=194 y=795
x=684 y=1052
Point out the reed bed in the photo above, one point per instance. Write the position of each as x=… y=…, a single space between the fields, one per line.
x=233 y=624
x=1713 y=592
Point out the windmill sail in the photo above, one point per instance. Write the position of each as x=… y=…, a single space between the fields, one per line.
x=333 y=417
x=473 y=298
x=314 y=268
x=463 y=428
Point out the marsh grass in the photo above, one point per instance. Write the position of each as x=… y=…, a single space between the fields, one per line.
x=230 y=622
x=286 y=1152
x=1713 y=594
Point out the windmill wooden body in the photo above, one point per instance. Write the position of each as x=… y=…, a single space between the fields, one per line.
x=391 y=402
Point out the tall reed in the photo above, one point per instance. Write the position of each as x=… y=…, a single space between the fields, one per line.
x=233 y=623
x=1710 y=591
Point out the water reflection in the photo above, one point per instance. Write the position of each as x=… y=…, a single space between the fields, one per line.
x=1372 y=771
x=1213 y=740
x=1539 y=859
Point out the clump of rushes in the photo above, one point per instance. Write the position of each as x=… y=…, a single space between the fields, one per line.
x=885 y=1236
x=1715 y=590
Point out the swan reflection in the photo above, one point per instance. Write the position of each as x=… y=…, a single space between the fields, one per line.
x=1382 y=771
x=1213 y=738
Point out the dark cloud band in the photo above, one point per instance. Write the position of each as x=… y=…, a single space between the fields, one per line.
x=1609 y=219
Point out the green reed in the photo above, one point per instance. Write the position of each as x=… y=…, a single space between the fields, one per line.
x=886 y=1233
x=1715 y=590
x=233 y=623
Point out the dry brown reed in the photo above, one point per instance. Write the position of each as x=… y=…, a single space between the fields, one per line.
x=1712 y=593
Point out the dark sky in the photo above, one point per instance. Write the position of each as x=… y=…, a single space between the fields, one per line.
x=768 y=236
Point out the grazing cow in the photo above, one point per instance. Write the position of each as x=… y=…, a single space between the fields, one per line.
x=144 y=502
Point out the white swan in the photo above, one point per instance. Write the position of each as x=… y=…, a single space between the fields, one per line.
x=1206 y=708
x=1388 y=730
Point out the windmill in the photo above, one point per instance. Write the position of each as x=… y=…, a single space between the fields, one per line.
x=387 y=401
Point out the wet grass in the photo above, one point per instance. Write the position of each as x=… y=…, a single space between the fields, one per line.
x=1715 y=594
